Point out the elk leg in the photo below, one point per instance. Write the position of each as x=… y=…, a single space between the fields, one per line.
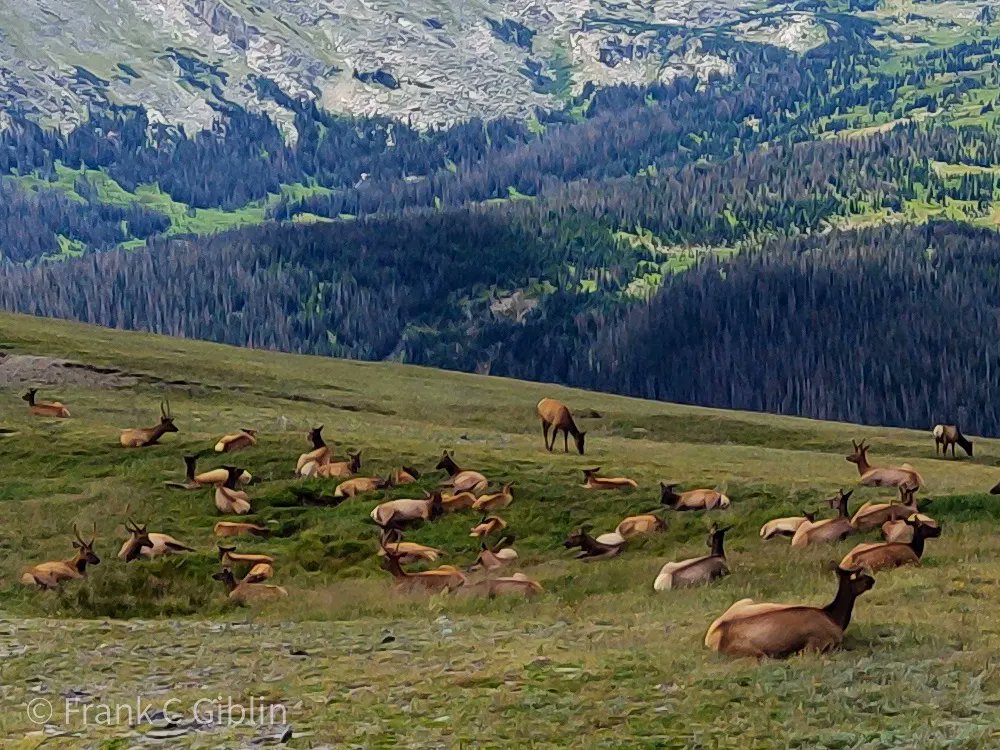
x=545 y=434
x=565 y=441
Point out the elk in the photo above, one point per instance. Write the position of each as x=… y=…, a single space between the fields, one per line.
x=901 y=531
x=245 y=438
x=407 y=552
x=875 y=476
x=394 y=514
x=334 y=469
x=883 y=555
x=360 y=486
x=228 y=499
x=785 y=526
x=873 y=515
x=641 y=525
x=518 y=584
x=141 y=543
x=496 y=501
x=829 y=529
x=234 y=528
x=946 y=435
x=318 y=456
x=456 y=502
x=488 y=525
x=459 y=479
x=697 y=570
x=593 y=482
x=446 y=578
x=143 y=437
x=590 y=548
x=196 y=481
x=48 y=575
x=246 y=592
x=495 y=556
x=556 y=416
x=45 y=408
x=779 y=630
x=692 y=499
x=229 y=556
x=405 y=475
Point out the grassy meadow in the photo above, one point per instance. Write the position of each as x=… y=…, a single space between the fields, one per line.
x=598 y=660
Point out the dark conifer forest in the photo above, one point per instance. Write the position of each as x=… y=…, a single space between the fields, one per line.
x=742 y=241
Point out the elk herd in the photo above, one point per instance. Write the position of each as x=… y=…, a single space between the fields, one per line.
x=747 y=628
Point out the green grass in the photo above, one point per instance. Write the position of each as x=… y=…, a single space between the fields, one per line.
x=599 y=660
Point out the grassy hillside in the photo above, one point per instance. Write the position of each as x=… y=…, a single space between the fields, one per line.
x=599 y=654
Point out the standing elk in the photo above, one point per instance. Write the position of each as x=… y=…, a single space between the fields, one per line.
x=142 y=437
x=946 y=435
x=48 y=575
x=45 y=408
x=555 y=416
x=878 y=476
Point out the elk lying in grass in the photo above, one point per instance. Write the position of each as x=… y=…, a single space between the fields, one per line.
x=487 y=526
x=142 y=543
x=360 y=486
x=496 y=556
x=394 y=514
x=901 y=531
x=697 y=570
x=407 y=552
x=887 y=476
x=591 y=548
x=45 y=408
x=319 y=455
x=829 y=529
x=445 y=578
x=458 y=501
x=459 y=479
x=641 y=525
x=517 y=584
x=556 y=416
x=405 y=475
x=143 y=437
x=245 y=593
x=235 y=528
x=872 y=515
x=779 y=630
x=245 y=438
x=785 y=526
x=593 y=482
x=883 y=555
x=228 y=556
x=229 y=499
x=692 y=499
x=335 y=469
x=948 y=435
x=496 y=501
x=193 y=480
x=48 y=575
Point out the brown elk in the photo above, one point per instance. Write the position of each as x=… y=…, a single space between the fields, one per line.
x=245 y=438
x=446 y=578
x=883 y=555
x=517 y=585
x=319 y=455
x=591 y=548
x=641 y=525
x=234 y=528
x=142 y=437
x=458 y=501
x=786 y=526
x=946 y=435
x=229 y=499
x=488 y=525
x=405 y=475
x=697 y=570
x=460 y=479
x=829 y=529
x=142 y=543
x=394 y=514
x=692 y=499
x=873 y=515
x=48 y=575
x=193 y=480
x=407 y=552
x=556 y=416
x=878 y=476
x=495 y=556
x=901 y=531
x=496 y=501
x=45 y=408
x=593 y=482
x=246 y=592
x=778 y=630
x=360 y=486
x=336 y=469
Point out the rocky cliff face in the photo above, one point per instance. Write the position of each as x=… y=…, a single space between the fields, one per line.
x=429 y=61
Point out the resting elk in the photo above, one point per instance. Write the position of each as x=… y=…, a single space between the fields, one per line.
x=883 y=555
x=318 y=456
x=45 y=408
x=461 y=480
x=142 y=437
x=245 y=438
x=247 y=592
x=556 y=416
x=697 y=570
x=591 y=548
x=877 y=476
x=785 y=526
x=142 y=543
x=692 y=499
x=445 y=578
x=829 y=529
x=48 y=575
x=873 y=515
x=593 y=482
x=229 y=499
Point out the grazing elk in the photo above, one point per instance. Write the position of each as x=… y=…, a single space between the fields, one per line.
x=593 y=482
x=778 y=630
x=696 y=570
x=48 y=575
x=591 y=548
x=319 y=455
x=459 y=479
x=692 y=499
x=245 y=593
x=142 y=543
x=45 y=408
x=946 y=435
x=143 y=437
x=556 y=416
x=877 y=476
x=829 y=529
x=883 y=555
x=245 y=438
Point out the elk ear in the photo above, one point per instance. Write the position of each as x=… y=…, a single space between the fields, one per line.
x=846 y=495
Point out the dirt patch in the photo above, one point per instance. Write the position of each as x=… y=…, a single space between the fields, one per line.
x=25 y=369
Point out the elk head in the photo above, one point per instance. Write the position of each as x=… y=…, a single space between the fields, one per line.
x=860 y=454
x=85 y=550
x=166 y=418
x=140 y=539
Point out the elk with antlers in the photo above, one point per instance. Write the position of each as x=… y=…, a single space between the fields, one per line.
x=142 y=437
x=141 y=543
x=48 y=575
x=879 y=476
